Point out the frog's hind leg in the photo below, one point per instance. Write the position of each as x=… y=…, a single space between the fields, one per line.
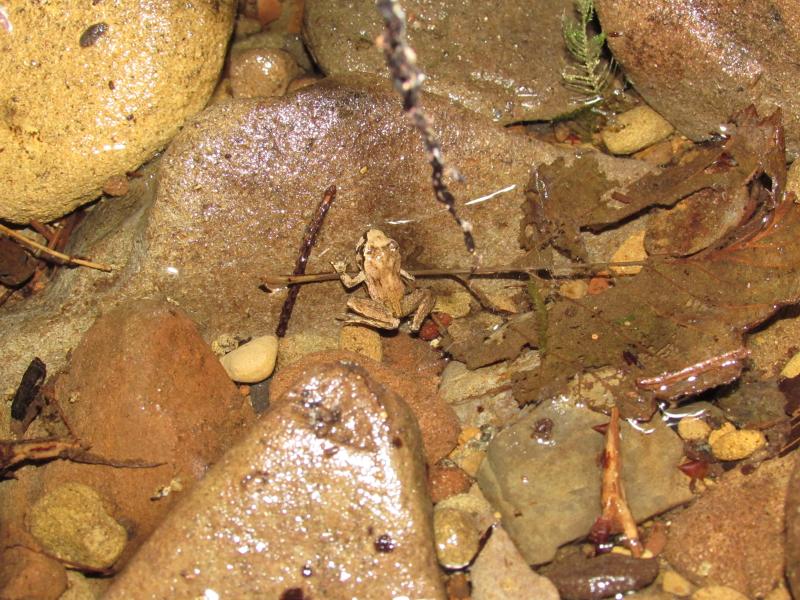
x=371 y=313
x=420 y=302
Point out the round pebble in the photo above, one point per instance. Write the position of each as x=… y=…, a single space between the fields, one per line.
x=261 y=72
x=693 y=429
x=72 y=524
x=718 y=592
x=456 y=305
x=676 y=584
x=363 y=340
x=252 y=362
x=725 y=429
x=738 y=444
x=457 y=537
x=635 y=129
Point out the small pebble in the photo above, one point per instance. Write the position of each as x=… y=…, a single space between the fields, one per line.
x=456 y=305
x=676 y=584
x=718 y=592
x=738 y=444
x=574 y=290
x=632 y=249
x=693 y=429
x=635 y=129
x=252 y=362
x=447 y=481
x=224 y=343
x=792 y=368
x=363 y=340
x=456 y=536
x=72 y=524
x=261 y=72
x=725 y=429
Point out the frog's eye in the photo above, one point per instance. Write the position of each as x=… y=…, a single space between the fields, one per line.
x=393 y=246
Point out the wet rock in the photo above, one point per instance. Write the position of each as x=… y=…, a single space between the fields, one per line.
x=437 y=422
x=363 y=340
x=80 y=588
x=548 y=489
x=697 y=67
x=260 y=72
x=501 y=573
x=252 y=362
x=446 y=481
x=492 y=73
x=456 y=536
x=579 y=578
x=72 y=523
x=693 y=429
x=793 y=530
x=26 y=575
x=634 y=130
x=753 y=403
x=733 y=534
x=338 y=458
x=738 y=444
x=124 y=77
x=237 y=189
x=142 y=385
x=718 y=592
x=474 y=503
x=676 y=584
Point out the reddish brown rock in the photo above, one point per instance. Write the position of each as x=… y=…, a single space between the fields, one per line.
x=697 y=63
x=325 y=498
x=444 y=482
x=28 y=575
x=733 y=535
x=142 y=385
x=416 y=384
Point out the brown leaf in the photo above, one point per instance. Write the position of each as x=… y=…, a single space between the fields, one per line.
x=16 y=265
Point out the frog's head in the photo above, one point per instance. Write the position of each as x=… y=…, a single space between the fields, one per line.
x=377 y=252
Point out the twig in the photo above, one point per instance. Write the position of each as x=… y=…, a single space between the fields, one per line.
x=309 y=237
x=53 y=254
x=407 y=76
x=273 y=282
x=616 y=516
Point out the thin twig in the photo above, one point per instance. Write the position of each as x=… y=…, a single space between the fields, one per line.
x=309 y=237
x=407 y=76
x=53 y=254
x=273 y=282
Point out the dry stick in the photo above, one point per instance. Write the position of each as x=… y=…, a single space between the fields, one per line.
x=309 y=237
x=402 y=63
x=273 y=282
x=64 y=258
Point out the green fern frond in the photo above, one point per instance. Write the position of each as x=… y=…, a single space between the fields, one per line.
x=589 y=76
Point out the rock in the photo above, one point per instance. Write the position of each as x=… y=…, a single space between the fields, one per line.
x=579 y=578
x=125 y=77
x=475 y=504
x=492 y=74
x=339 y=458
x=362 y=340
x=259 y=72
x=72 y=523
x=635 y=129
x=142 y=385
x=697 y=67
x=456 y=536
x=436 y=420
x=252 y=362
x=717 y=592
x=738 y=444
x=79 y=587
x=792 y=367
x=548 y=491
x=26 y=575
x=483 y=396
x=457 y=304
x=753 y=403
x=723 y=429
x=693 y=429
x=219 y=224
x=674 y=583
x=446 y=481
x=733 y=534
x=793 y=179
x=631 y=250
x=792 y=536
x=500 y=573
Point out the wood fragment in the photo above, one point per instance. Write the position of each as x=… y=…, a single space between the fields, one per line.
x=309 y=238
x=616 y=515
x=23 y=407
x=53 y=255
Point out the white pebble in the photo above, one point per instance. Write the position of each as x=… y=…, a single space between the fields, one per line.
x=252 y=362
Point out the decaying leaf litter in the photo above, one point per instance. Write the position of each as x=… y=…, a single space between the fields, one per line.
x=677 y=327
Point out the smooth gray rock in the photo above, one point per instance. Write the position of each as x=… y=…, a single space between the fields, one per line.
x=502 y=59
x=548 y=490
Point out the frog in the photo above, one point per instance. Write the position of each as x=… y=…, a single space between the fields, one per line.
x=392 y=296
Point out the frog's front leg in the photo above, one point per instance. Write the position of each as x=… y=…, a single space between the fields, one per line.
x=372 y=313
x=349 y=281
x=420 y=302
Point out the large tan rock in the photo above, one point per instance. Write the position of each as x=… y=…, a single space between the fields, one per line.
x=325 y=498
x=94 y=89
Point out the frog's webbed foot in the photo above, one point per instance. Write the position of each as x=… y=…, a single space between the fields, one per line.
x=420 y=302
x=349 y=281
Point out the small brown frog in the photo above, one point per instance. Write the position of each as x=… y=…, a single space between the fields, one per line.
x=378 y=258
